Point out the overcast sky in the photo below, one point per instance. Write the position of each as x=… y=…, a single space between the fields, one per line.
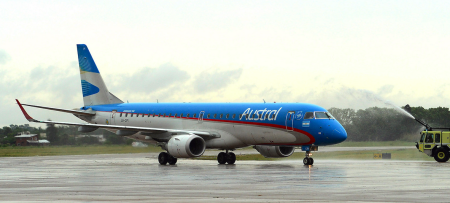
x=331 y=53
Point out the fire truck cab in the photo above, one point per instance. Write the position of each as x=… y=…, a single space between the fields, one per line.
x=435 y=144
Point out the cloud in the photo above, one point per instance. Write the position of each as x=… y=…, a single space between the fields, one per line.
x=148 y=80
x=213 y=81
x=386 y=89
x=4 y=57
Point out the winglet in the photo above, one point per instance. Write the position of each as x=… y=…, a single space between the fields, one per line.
x=28 y=117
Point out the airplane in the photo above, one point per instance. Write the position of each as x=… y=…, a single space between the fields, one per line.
x=186 y=130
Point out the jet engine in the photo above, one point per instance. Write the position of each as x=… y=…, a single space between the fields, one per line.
x=186 y=146
x=274 y=151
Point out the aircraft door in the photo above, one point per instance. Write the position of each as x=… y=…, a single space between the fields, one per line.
x=290 y=121
x=112 y=118
x=200 y=116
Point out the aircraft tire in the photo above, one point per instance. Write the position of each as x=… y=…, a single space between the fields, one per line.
x=306 y=161
x=163 y=158
x=222 y=158
x=231 y=158
x=441 y=155
x=172 y=160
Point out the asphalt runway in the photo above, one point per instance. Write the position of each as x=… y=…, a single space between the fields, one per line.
x=138 y=177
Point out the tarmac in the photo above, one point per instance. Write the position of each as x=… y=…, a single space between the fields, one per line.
x=139 y=178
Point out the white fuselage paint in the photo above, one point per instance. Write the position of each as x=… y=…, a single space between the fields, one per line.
x=233 y=135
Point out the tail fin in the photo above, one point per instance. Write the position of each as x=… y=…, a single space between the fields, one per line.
x=94 y=89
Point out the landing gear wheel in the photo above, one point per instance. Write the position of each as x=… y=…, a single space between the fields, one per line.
x=231 y=158
x=172 y=160
x=308 y=161
x=163 y=158
x=222 y=158
x=441 y=155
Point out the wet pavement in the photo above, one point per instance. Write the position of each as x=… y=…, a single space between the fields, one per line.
x=138 y=177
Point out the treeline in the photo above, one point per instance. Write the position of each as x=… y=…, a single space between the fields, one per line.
x=65 y=135
x=387 y=124
x=61 y=135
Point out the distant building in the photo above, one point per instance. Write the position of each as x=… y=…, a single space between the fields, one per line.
x=27 y=139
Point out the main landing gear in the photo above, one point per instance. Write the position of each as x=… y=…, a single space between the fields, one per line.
x=165 y=158
x=228 y=157
x=308 y=160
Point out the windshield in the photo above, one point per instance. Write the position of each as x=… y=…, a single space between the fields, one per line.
x=323 y=115
x=422 y=137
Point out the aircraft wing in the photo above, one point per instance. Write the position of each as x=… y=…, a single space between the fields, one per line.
x=62 y=110
x=204 y=134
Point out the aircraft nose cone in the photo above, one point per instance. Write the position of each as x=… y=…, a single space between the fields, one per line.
x=339 y=134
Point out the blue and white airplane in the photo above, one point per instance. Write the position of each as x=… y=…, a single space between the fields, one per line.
x=185 y=130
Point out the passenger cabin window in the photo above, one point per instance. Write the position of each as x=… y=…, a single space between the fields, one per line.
x=148 y=115
x=131 y=114
x=181 y=115
x=273 y=116
x=164 y=115
x=240 y=116
x=175 y=115
x=126 y=114
x=246 y=115
x=215 y=115
x=267 y=117
x=207 y=116
x=228 y=115
x=234 y=116
x=187 y=115
x=120 y=114
x=309 y=115
x=221 y=115
x=170 y=114
x=194 y=116
x=159 y=115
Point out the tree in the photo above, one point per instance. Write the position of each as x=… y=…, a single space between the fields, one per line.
x=52 y=134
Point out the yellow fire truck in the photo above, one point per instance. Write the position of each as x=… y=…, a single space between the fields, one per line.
x=434 y=142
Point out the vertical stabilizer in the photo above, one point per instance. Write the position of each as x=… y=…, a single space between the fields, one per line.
x=92 y=85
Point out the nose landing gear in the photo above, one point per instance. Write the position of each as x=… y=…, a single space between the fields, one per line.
x=228 y=157
x=308 y=160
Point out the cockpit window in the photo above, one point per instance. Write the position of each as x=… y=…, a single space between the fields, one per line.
x=309 y=115
x=323 y=115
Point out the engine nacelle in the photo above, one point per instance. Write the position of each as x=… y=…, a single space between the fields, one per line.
x=186 y=146
x=274 y=151
x=86 y=129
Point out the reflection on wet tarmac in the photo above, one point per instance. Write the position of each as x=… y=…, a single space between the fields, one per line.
x=138 y=177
